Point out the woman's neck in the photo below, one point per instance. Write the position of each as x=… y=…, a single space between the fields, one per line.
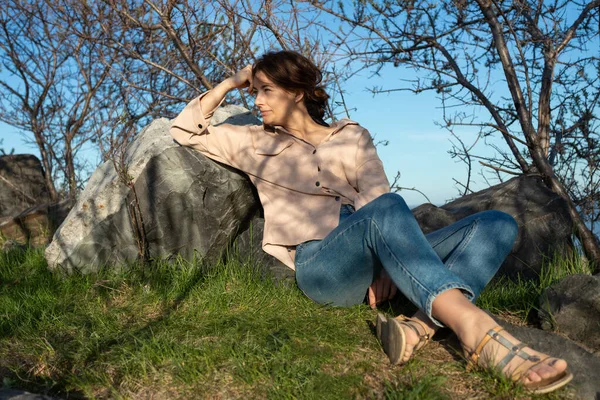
x=303 y=126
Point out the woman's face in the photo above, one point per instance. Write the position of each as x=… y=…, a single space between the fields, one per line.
x=275 y=103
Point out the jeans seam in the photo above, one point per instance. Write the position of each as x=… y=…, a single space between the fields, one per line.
x=370 y=221
x=447 y=236
x=411 y=276
x=463 y=244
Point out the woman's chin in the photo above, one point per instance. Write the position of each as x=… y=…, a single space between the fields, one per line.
x=267 y=120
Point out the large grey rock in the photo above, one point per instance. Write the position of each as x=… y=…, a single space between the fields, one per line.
x=584 y=365
x=22 y=183
x=431 y=218
x=545 y=226
x=572 y=308
x=190 y=205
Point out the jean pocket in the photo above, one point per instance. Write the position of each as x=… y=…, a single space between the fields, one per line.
x=346 y=211
x=300 y=251
x=299 y=248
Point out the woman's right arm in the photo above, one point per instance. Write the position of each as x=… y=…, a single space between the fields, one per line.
x=214 y=97
x=192 y=126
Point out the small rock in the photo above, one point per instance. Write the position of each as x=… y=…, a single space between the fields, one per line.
x=14 y=394
x=10 y=245
x=36 y=225
x=22 y=183
x=572 y=308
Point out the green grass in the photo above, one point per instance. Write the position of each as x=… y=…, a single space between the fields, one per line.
x=181 y=330
x=417 y=387
x=177 y=329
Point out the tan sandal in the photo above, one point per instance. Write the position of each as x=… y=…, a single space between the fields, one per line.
x=393 y=339
x=529 y=361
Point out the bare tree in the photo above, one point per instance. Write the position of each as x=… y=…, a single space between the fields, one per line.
x=82 y=72
x=52 y=84
x=187 y=47
x=523 y=69
x=85 y=78
x=170 y=49
x=32 y=57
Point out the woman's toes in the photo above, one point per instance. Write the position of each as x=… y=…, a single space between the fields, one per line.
x=408 y=352
x=551 y=367
x=411 y=341
x=548 y=369
x=531 y=377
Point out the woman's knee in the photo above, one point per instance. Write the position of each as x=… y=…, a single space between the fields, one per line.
x=391 y=215
x=500 y=224
x=388 y=207
x=388 y=200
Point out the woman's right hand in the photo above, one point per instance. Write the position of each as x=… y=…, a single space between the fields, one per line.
x=242 y=79
x=214 y=97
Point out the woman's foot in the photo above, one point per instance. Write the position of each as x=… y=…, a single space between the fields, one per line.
x=492 y=346
x=487 y=345
x=400 y=337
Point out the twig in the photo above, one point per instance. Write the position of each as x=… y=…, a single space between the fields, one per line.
x=9 y=183
x=499 y=169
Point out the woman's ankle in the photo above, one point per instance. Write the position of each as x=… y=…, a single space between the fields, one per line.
x=429 y=326
x=466 y=320
x=473 y=330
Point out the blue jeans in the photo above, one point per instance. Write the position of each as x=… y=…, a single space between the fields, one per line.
x=339 y=269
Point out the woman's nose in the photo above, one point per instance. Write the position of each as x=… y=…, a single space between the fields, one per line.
x=259 y=99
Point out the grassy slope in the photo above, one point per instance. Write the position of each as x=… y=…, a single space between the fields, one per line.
x=180 y=331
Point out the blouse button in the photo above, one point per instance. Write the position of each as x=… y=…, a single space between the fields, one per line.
x=199 y=126
x=314 y=151
x=337 y=198
x=318 y=183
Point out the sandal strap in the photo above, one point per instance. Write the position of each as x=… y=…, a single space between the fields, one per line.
x=423 y=337
x=528 y=361
x=474 y=357
x=514 y=350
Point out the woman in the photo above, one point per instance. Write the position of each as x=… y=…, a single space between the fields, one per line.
x=329 y=215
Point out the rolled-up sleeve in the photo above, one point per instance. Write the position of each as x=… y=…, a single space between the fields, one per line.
x=221 y=143
x=370 y=175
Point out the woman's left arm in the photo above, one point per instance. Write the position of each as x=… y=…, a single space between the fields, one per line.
x=371 y=180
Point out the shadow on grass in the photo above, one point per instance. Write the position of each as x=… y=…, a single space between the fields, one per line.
x=28 y=273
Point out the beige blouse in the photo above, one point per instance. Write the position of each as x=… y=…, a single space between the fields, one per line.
x=301 y=187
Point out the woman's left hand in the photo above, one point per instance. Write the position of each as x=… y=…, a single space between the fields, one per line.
x=383 y=288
